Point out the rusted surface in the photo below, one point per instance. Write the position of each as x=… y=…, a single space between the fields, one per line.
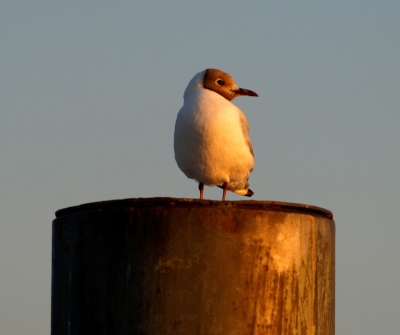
x=183 y=266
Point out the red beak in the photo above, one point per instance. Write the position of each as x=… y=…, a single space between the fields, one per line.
x=243 y=91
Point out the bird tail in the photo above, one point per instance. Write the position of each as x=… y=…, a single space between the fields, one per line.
x=245 y=192
x=241 y=188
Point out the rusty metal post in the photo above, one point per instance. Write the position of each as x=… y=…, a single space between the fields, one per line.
x=182 y=266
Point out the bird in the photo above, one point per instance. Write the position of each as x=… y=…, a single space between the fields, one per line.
x=211 y=137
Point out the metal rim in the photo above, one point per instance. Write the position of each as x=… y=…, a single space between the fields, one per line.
x=182 y=202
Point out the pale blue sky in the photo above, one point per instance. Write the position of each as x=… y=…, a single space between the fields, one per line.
x=89 y=92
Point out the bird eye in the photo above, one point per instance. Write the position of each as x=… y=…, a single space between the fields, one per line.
x=220 y=82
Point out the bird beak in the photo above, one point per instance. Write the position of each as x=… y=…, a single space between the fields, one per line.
x=243 y=91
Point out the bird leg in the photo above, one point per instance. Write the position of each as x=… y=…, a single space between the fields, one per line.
x=225 y=188
x=201 y=189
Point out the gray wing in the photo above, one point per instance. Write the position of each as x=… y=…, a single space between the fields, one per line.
x=245 y=129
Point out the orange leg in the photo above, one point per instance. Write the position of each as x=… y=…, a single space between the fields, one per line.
x=225 y=188
x=201 y=189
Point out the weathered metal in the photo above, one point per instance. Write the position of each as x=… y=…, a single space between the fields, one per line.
x=182 y=266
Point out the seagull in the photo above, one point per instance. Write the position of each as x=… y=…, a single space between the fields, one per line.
x=211 y=139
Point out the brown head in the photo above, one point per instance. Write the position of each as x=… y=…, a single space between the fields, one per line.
x=223 y=84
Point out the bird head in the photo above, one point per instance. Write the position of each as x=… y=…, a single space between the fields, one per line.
x=224 y=84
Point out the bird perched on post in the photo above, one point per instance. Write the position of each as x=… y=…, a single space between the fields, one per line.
x=211 y=139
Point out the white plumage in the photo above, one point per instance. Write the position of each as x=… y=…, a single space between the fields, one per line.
x=211 y=139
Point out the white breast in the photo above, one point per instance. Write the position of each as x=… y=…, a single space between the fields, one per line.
x=209 y=143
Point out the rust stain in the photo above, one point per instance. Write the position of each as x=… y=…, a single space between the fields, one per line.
x=229 y=220
x=174 y=264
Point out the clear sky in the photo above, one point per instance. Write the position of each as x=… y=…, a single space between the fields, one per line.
x=89 y=92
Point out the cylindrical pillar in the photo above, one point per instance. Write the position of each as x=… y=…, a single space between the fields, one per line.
x=193 y=267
